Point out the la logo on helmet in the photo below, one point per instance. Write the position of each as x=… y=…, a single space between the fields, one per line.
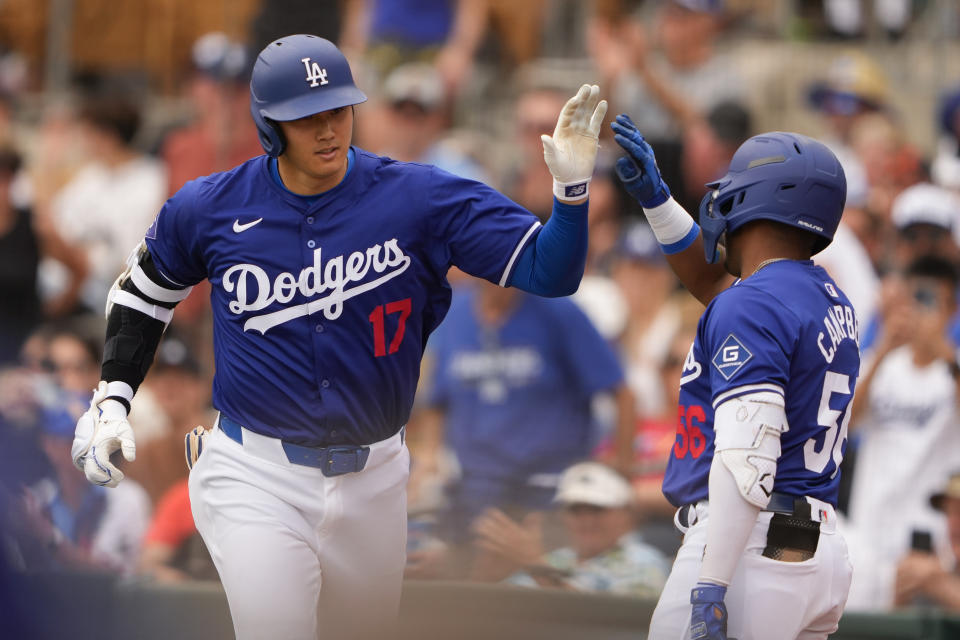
x=314 y=73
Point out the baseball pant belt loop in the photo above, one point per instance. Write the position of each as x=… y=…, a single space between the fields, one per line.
x=331 y=461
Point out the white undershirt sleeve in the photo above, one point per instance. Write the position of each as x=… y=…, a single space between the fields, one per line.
x=729 y=523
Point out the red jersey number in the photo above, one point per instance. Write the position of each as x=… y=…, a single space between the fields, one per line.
x=402 y=307
x=690 y=438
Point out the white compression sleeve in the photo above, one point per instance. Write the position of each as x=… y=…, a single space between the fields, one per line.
x=729 y=523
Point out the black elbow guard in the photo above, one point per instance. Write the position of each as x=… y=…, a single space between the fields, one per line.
x=136 y=321
x=132 y=340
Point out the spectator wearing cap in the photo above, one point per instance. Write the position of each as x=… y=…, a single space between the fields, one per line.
x=108 y=204
x=927 y=222
x=220 y=134
x=606 y=554
x=923 y=577
x=416 y=123
x=853 y=89
x=903 y=422
x=854 y=85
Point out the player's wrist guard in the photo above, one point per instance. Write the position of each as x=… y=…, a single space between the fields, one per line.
x=673 y=227
x=570 y=191
x=708 y=616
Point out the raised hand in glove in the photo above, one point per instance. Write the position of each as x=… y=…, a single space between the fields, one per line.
x=638 y=169
x=708 y=619
x=571 y=152
x=101 y=430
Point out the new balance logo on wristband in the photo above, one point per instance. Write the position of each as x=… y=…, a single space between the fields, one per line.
x=575 y=190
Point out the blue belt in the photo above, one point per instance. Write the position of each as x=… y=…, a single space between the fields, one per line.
x=332 y=461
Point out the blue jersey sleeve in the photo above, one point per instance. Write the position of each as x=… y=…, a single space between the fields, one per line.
x=478 y=229
x=591 y=359
x=173 y=240
x=748 y=339
x=553 y=264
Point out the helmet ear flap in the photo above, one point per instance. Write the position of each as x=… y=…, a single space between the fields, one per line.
x=269 y=132
x=275 y=138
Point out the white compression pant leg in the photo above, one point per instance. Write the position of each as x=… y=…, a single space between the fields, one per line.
x=767 y=599
x=289 y=542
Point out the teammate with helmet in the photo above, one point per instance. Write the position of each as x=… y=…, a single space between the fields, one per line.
x=765 y=393
x=328 y=269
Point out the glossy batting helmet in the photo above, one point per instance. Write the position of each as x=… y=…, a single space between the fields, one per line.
x=784 y=177
x=294 y=77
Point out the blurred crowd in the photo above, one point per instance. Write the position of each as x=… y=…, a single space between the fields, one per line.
x=542 y=427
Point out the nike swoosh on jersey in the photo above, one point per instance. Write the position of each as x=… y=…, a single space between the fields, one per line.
x=238 y=228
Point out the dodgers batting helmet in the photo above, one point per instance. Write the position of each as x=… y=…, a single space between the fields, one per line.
x=784 y=177
x=294 y=77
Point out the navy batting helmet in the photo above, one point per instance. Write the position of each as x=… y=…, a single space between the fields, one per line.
x=784 y=177
x=294 y=77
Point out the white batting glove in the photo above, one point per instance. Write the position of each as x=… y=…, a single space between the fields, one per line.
x=572 y=150
x=101 y=430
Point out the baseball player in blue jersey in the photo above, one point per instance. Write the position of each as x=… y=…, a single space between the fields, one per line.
x=328 y=270
x=764 y=396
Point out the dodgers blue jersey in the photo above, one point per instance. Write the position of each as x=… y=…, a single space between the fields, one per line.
x=322 y=306
x=787 y=329
x=517 y=397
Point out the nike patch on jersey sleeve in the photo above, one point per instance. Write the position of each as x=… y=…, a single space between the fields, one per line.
x=730 y=357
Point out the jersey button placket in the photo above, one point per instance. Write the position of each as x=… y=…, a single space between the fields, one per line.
x=311 y=243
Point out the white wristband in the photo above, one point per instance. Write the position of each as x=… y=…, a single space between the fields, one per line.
x=120 y=389
x=570 y=191
x=670 y=222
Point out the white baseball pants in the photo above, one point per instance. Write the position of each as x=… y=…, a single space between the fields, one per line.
x=300 y=555
x=767 y=599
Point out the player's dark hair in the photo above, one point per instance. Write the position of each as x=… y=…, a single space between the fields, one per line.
x=113 y=114
x=935 y=268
